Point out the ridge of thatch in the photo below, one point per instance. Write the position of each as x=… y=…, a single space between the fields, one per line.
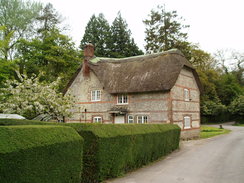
x=144 y=73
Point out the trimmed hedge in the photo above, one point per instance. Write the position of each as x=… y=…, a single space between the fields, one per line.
x=37 y=154
x=111 y=150
x=14 y=122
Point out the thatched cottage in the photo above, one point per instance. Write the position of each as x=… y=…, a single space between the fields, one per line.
x=157 y=88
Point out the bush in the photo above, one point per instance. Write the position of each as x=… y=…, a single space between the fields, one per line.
x=237 y=109
x=214 y=112
x=37 y=154
x=111 y=150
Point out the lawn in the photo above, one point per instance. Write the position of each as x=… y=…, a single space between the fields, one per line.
x=207 y=131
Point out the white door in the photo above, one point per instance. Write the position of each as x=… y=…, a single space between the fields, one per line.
x=119 y=119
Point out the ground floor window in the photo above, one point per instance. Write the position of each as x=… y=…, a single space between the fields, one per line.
x=130 y=119
x=97 y=119
x=187 y=122
x=141 y=119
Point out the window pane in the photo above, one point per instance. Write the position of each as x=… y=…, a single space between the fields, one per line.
x=125 y=101
x=98 y=95
x=139 y=119
x=145 y=119
x=130 y=119
x=120 y=99
x=93 y=95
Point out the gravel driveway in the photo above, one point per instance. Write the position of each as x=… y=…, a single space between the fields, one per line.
x=216 y=160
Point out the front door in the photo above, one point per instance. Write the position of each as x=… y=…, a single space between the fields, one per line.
x=119 y=119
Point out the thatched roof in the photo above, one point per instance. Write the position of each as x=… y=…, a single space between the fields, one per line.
x=146 y=73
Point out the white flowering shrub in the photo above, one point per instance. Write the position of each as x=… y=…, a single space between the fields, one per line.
x=30 y=97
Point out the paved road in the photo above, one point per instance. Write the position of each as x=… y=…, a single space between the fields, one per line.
x=216 y=160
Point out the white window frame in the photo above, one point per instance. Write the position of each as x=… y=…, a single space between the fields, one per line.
x=142 y=118
x=186 y=94
x=130 y=119
x=97 y=119
x=122 y=99
x=95 y=95
x=185 y=122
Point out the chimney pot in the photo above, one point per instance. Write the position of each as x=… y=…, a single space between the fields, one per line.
x=89 y=51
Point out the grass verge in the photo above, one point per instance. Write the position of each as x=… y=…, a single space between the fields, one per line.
x=239 y=125
x=207 y=131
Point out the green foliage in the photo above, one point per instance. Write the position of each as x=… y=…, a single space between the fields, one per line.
x=17 y=122
x=236 y=108
x=98 y=33
x=48 y=19
x=110 y=41
x=209 y=79
x=200 y=59
x=18 y=17
x=214 y=112
x=6 y=71
x=228 y=88
x=212 y=108
x=54 y=55
x=207 y=131
x=40 y=154
x=122 y=45
x=111 y=150
x=164 y=31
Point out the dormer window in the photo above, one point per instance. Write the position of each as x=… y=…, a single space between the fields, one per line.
x=186 y=94
x=95 y=95
x=122 y=99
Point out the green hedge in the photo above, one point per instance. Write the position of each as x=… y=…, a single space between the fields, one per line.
x=111 y=150
x=10 y=122
x=38 y=154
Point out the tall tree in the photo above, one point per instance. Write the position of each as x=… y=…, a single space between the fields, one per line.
x=97 y=32
x=122 y=45
x=54 y=56
x=48 y=19
x=164 y=31
x=50 y=52
x=17 y=16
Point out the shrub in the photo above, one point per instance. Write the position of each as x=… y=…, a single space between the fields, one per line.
x=213 y=112
x=37 y=154
x=111 y=150
x=237 y=109
x=29 y=97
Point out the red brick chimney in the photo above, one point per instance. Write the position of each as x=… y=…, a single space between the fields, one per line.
x=88 y=55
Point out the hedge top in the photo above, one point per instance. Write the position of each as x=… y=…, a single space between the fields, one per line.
x=113 y=130
x=15 y=138
x=100 y=130
x=8 y=122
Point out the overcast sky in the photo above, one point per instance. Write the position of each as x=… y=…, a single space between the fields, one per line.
x=214 y=24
